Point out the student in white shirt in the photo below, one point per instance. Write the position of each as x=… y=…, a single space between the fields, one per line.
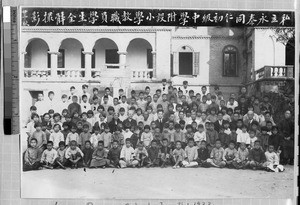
x=127 y=155
x=243 y=136
x=85 y=105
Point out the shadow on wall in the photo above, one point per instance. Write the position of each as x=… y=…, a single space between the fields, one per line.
x=227 y=65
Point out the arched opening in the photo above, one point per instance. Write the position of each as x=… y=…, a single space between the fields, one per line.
x=37 y=54
x=139 y=54
x=290 y=52
x=71 y=55
x=105 y=54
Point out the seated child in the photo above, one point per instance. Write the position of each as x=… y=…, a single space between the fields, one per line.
x=99 y=156
x=191 y=154
x=203 y=155
x=178 y=155
x=230 y=154
x=273 y=160
x=135 y=136
x=127 y=155
x=114 y=154
x=49 y=156
x=87 y=154
x=257 y=157
x=241 y=159
x=264 y=137
x=153 y=153
x=141 y=155
x=73 y=155
x=40 y=136
x=179 y=135
x=216 y=156
x=165 y=154
x=200 y=135
x=158 y=136
x=65 y=130
x=56 y=136
x=31 y=156
x=147 y=136
x=61 y=152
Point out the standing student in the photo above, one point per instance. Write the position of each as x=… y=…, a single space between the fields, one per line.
x=74 y=106
x=127 y=156
x=84 y=136
x=99 y=157
x=56 y=136
x=165 y=154
x=153 y=154
x=147 y=136
x=243 y=136
x=72 y=136
x=40 y=136
x=31 y=156
x=49 y=156
x=200 y=135
x=191 y=154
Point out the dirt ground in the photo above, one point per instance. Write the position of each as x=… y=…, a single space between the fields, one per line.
x=157 y=183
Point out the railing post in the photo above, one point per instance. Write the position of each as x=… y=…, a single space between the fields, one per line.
x=122 y=59
x=88 y=64
x=154 y=64
x=54 y=56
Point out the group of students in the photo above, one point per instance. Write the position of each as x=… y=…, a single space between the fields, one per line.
x=174 y=127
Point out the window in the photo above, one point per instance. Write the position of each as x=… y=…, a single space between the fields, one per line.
x=230 y=61
x=61 y=58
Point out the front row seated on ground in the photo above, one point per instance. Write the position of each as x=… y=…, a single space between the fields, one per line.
x=151 y=156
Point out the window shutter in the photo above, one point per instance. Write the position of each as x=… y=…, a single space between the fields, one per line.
x=196 y=62
x=175 y=63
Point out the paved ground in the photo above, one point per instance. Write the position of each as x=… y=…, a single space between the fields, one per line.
x=150 y=183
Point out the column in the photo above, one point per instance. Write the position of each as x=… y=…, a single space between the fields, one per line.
x=154 y=64
x=22 y=63
x=88 y=64
x=54 y=56
x=122 y=59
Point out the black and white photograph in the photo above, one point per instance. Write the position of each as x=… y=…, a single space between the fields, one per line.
x=143 y=103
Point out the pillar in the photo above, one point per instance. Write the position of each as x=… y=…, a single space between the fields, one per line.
x=54 y=57
x=88 y=63
x=122 y=59
x=154 y=64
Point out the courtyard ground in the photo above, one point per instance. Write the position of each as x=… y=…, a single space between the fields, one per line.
x=157 y=183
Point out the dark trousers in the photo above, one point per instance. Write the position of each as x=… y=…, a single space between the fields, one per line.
x=34 y=166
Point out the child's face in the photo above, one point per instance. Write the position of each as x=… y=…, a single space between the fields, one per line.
x=252 y=134
x=153 y=144
x=264 y=132
x=226 y=126
x=244 y=129
x=95 y=101
x=84 y=99
x=239 y=124
x=128 y=144
x=84 y=117
x=274 y=131
x=79 y=126
x=106 y=130
x=231 y=146
x=33 y=143
x=61 y=147
x=85 y=129
x=87 y=145
x=218 y=144
x=243 y=146
x=44 y=127
x=73 y=130
x=165 y=143
x=56 y=128
x=76 y=114
x=73 y=146
x=221 y=130
x=271 y=148
x=140 y=147
x=96 y=132
x=233 y=131
x=100 y=145
x=68 y=119
x=49 y=146
x=178 y=145
x=57 y=118
x=256 y=145
x=171 y=126
x=115 y=144
x=38 y=128
x=146 y=130
x=191 y=143
x=202 y=145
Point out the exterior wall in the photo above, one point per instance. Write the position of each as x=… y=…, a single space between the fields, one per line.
x=72 y=53
x=100 y=48
x=137 y=54
x=267 y=50
x=163 y=50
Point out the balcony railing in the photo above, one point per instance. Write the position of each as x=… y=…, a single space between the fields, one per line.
x=138 y=74
x=274 y=72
